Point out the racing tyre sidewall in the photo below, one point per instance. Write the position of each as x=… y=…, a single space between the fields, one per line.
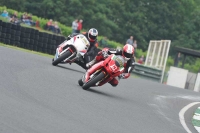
x=93 y=81
x=61 y=58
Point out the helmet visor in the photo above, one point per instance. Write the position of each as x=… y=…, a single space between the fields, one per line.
x=92 y=37
x=128 y=55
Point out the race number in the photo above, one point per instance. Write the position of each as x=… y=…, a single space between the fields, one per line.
x=113 y=67
x=84 y=41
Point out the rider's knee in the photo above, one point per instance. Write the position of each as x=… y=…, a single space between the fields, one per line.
x=114 y=85
x=114 y=82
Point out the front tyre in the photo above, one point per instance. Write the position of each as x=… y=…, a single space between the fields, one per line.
x=80 y=82
x=61 y=58
x=93 y=81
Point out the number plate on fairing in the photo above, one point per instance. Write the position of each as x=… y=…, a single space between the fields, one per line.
x=119 y=59
x=84 y=40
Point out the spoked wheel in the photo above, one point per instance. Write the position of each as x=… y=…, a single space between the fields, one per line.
x=93 y=81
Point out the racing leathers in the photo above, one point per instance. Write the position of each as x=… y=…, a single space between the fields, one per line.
x=102 y=55
x=82 y=61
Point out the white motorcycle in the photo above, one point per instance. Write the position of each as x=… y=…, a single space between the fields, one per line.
x=70 y=50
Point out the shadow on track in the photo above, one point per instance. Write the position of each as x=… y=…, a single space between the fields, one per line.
x=70 y=69
x=108 y=95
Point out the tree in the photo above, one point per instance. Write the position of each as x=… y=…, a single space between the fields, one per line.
x=176 y=20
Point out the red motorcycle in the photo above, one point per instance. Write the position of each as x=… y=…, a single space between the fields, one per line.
x=103 y=72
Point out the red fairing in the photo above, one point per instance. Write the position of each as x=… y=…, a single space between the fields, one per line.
x=108 y=66
x=107 y=60
x=93 y=69
x=113 y=68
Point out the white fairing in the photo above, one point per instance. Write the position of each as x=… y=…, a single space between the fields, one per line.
x=80 y=42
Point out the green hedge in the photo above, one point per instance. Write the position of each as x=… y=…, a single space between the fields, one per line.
x=65 y=29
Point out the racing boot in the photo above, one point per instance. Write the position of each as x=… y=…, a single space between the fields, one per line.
x=91 y=63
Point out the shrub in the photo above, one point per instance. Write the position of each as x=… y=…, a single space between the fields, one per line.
x=139 y=53
x=170 y=61
x=67 y=30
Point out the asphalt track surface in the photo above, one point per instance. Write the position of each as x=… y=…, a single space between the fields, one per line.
x=36 y=97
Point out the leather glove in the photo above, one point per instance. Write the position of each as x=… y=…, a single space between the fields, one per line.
x=69 y=37
x=105 y=54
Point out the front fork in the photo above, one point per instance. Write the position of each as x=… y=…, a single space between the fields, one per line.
x=56 y=55
x=60 y=53
x=59 y=49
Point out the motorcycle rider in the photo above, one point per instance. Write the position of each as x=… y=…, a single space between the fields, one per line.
x=127 y=53
x=91 y=35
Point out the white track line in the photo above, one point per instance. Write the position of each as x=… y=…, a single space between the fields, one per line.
x=197 y=128
x=182 y=113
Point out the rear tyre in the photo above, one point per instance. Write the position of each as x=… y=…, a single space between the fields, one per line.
x=93 y=81
x=61 y=58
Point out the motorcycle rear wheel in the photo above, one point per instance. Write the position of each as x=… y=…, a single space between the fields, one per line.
x=93 y=81
x=61 y=58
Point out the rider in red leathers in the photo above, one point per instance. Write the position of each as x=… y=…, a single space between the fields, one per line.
x=127 y=52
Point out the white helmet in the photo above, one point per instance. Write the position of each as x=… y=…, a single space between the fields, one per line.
x=128 y=51
x=92 y=34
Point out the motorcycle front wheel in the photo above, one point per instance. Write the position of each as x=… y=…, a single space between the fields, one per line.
x=93 y=81
x=80 y=82
x=61 y=58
